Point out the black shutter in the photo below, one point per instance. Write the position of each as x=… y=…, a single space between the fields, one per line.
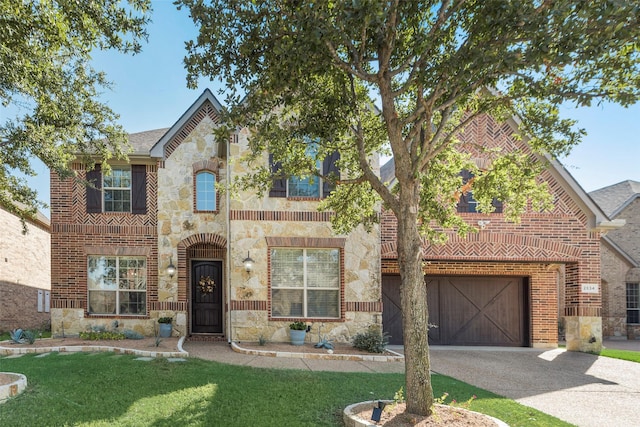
x=279 y=186
x=330 y=168
x=465 y=198
x=94 y=195
x=498 y=205
x=138 y=189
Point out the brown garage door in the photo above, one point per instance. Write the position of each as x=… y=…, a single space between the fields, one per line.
x=466 y=310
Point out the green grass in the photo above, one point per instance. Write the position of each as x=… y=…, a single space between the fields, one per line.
x=4 y=336
x=105 y=389
x=632 y=356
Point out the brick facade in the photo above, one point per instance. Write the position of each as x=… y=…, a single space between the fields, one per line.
x=25 y=270
x=557 y=247
x=77 y=234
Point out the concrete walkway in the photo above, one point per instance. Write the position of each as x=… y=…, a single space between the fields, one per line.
x=579 y=388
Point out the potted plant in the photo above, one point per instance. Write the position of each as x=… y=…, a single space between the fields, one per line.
x=165 y=326
x=298 y=332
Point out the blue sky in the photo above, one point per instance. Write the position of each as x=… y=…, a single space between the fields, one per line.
x=150 y=92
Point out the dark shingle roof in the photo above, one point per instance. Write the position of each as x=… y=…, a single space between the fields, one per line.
x=614 y=198
x=143 y=141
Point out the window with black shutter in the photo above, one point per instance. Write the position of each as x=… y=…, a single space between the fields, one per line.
x=124 y=190
x=310 y=187
x=466 y=203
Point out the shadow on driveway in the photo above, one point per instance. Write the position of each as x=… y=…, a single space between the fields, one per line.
x=579 y=388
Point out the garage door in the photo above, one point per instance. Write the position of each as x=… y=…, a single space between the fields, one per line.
x=466 y=310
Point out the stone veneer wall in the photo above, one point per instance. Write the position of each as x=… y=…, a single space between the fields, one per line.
x=25 y=268
x=256 y=218
x=178 y=221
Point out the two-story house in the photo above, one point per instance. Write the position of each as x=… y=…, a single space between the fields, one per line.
x=157 y=238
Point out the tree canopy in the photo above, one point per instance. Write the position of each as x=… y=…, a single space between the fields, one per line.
x=49 y=90
x=314 y=70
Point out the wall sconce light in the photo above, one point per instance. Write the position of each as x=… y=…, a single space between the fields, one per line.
x=248 y=263
x=171 y=269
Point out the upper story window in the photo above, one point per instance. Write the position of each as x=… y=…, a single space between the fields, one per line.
x=124 y=190
x=117 y=285
x=468 y=203
x=206 y=191
x=117 y=190
x=310 y=187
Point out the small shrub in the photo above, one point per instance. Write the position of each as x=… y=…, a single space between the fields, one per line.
x=17 y=335
x=102 y=335
x=373 y=340
x=166 y=319
x=262 y=340
x=30 y=336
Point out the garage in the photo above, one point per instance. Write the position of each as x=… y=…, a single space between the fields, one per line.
x=466 y=310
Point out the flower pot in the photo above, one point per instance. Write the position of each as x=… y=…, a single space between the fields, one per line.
x=165 y=330
x=297 y=337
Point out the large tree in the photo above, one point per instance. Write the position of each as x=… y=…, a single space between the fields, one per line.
x=309 y=69
x=49 y=91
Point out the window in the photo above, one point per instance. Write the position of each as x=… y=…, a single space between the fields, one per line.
x=124 y=190
x=310 y=187
x=305 y=282
x=467 y=203
x=117 y=285
x=117 y=190
x=633 y=303
x=206 y=191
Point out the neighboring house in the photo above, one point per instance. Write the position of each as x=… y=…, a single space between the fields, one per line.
x=25 y=272
x=502 y=285
x=621 y=260
x=113 y=244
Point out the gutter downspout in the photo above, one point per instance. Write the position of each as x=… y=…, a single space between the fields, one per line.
x=228 y=266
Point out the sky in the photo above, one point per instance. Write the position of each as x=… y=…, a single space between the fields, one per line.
x=149 y=92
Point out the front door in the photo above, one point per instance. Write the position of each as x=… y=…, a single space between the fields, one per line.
x=206 y=297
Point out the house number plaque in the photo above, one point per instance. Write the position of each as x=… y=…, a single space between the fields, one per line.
x=589 y=288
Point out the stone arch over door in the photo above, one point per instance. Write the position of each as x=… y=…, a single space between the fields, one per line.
x=211 y=244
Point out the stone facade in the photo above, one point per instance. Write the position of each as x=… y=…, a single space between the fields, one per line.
x=173 y=231
x=25 y=272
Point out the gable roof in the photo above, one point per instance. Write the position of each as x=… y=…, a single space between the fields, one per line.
x=158 y=149
x=598 y=219
x=614 y=198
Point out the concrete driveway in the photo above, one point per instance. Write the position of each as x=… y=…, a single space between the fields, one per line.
x=579 y=388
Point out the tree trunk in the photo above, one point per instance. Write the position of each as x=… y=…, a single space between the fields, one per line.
x=415 y=313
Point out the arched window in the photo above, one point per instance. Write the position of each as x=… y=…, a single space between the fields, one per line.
x=206 y=191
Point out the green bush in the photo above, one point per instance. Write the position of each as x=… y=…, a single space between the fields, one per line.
x=132 y=335
x=102 y=335
x=373 y=340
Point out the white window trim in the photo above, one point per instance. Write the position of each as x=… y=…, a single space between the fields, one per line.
x=117 y=289
x=305 y=288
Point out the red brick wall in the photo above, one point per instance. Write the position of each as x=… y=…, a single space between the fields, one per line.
x=76 y=234
x=19 y=308
x=533 y=248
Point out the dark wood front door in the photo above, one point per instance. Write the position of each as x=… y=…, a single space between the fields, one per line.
x=206 y=307
x=465 y=310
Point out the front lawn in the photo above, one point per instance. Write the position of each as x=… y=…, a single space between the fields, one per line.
x=105 y=389
x=632 y=356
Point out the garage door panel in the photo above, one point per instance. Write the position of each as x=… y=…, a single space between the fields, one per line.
x=475 y=311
